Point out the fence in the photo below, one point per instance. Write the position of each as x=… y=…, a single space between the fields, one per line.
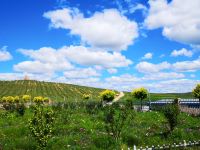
x=184 y=144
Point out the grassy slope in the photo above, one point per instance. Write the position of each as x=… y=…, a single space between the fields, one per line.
x=55 y=91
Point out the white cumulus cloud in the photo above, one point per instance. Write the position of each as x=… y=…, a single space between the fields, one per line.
x=147 y=56
x=146 y=67
x=179 y=19
x=107 y=29
x=182 y=52
x=4 y=54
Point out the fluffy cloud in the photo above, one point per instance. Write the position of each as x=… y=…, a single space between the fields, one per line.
x=128 y=82
x=146 y=67
x=179 y=66
x=179 y=19
x=85 y=56
x=108 y=29
x=187 y=65
x=81 y=73
x=182 y=52
x=4 y=54
x=49 y=60
x=45 y=60
x=20 y=76
x=163 y=76
x=147 y=56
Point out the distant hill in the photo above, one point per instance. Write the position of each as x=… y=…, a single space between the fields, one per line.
x=55 y=91
x=68 y=92
x=159 y=96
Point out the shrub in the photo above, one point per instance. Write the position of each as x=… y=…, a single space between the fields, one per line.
x=171 y=113
x=38 y=99
x=16 y=99
x=107 y=95
x=26 y=98
x=46 y=99
x=20 y=109
x=140 y=93
x=41 y=125
x=196 y=91
x=86 y=96
x=116 y=117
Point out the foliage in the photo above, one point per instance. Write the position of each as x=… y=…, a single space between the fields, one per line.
x=196 y=91
x=107 y=95
x=38 y=99
x=116 y=117
x=41 y=125
x=77 y=129
x=26 y=98
x=20 y=109
x=140 y=93
x=16 y=99
x=171 y=113
x=86 y=96
x=46 y=99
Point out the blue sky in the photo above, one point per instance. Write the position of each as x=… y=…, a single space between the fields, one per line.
x=121 y=44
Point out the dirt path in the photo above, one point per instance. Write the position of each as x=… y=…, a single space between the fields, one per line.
x=121 y=94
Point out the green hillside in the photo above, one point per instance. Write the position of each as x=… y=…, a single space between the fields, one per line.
x=68 y=92
x=55 y=91
x=159 y=96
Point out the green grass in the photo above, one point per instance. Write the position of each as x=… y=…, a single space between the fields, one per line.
x=76 y=128
x=55 y=91
x=159 y=96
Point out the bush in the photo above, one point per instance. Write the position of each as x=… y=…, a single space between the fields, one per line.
x=41 y=125
x=26 y=98
x=38 y=99
x=171 y=113
x=86 y=96
x=107 y=95
x=116 y=117
x=20 y=109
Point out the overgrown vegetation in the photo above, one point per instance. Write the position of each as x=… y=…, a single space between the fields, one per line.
x=196 y=92
x=89 y=125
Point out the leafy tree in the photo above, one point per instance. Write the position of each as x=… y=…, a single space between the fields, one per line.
x=41 y=125
x=196 y=91
x=26 y=98
x=171 y=113
x=107 y=95
x=140 y=93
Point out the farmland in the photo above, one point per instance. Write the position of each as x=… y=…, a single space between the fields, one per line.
x=55 y=91
x=68 y=92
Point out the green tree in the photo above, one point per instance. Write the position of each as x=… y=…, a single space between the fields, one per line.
x=26 y=98
x=140 y=93
x=196 y=91
x=41 y=125
x=107 y=95
x=171 y=113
